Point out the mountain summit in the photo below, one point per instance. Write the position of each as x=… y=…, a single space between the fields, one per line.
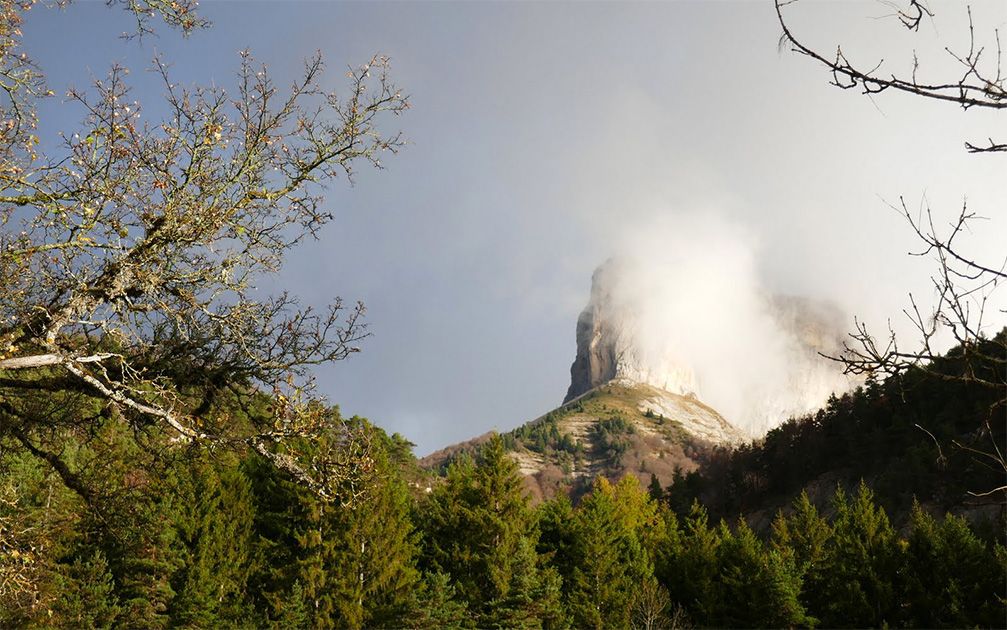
x=637 y=329
x=662 y=379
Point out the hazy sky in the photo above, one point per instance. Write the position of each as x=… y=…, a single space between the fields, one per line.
x=544 y=136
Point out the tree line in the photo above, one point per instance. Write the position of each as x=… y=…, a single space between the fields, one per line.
x=927 y=432
x=172 y=537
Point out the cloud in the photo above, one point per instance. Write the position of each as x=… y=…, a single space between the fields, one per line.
x=691 y=313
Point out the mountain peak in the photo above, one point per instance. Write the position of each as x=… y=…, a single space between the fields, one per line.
x=654 y=333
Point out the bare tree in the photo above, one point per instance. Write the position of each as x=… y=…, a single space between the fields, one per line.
x=130 y=254
x=964 y=287
x=651 y=607
x=980 y=83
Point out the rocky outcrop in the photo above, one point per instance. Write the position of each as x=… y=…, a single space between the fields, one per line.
x=597 y=342
x=607 y=347
x=621 y=338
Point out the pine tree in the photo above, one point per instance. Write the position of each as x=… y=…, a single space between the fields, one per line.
x=691 y=573
x=857 y=583
x=557 y=534
x=951 y=576
x=373 y=566
x=666 y=542
x=642 y=514
x=355 y=565
x=610 y=560
x=293 y=613
x=804 y=532
x=86 y=594
x=146 y=565
x=802 y=538
x=534 y=598
x=214 y=523
x=755 y=588
x=783 y=582
x=280 y=517
x=38 y=519
x=654 y=489
x=139 y=536
x=436 y=605
x=478 y=527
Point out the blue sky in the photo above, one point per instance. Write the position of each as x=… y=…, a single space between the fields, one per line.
x=542 y=135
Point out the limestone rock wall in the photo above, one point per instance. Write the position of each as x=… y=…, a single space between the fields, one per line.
x=617 y=341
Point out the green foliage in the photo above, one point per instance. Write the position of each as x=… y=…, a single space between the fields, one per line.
x=556 y=525
x=610 y=437
x=353 y=566
x=691 y=573
x=480 y=529
x=148 y=533
x=294 y=613
x=949 y=575
x=215 y=518
x=609 y=557
x=804 y=532
x=654 y=489
x=874 y=433
x=219 y=542
x=437 y=605
x=86 y=594
x=755 y=587
x=856 y=586
x=543 y=436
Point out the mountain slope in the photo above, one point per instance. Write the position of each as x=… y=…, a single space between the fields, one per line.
x=616 y=429
x=933 y=434
x=633 y=405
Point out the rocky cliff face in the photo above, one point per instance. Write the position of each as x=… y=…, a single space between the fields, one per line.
x=607 y=347
x=757 y=365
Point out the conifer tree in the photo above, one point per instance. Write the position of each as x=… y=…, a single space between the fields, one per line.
x=373 y=568
x=805 y=532
x=952 y=578
x=146 y=563
x=654 y=488
x=643 y=515
x=479 y=528
x=135 y=522
x=293 y=613
x=86 y=594
x=857 y=587
x=535 y=596
x=690 y=575
x=802 y=538
x=38 y=518
x=436 y=605
x=610 y=560
x=214 y=522
x=355 y=566
x=755 y=587
x=281 y=514
x=667 y=545
x=557 y=534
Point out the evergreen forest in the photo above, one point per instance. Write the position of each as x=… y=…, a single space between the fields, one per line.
x=130 y=530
